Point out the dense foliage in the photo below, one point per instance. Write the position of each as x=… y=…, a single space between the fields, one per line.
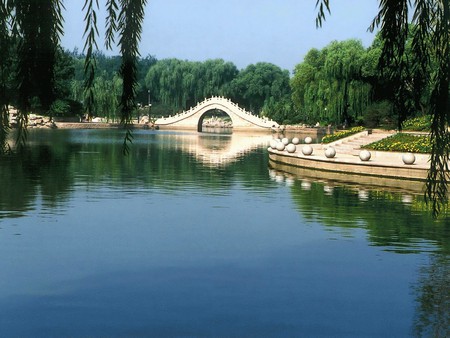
x=328 y=85
x=179 y=85
x=421 y=123
x=30 y=33
x=182 y=84
x=426 y=24
x=107 y=83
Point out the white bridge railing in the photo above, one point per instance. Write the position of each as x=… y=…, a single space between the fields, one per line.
x=226 y=103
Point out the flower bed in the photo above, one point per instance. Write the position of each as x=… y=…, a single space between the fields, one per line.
x=422 y=123
x=342 y=134
x=402 y=143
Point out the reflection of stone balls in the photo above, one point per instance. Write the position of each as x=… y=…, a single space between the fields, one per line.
x=330 y=152
x=295 y=140
x=308 y=140
x=280 y=146
x=365 y=155
x=291 y=148
x=285 y=141
x=408 y=158
x=273 y=144
x=307 y=150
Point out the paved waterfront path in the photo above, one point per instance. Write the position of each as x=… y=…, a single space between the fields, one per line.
x=352 y=144
x=348 y=149
x=384 y=169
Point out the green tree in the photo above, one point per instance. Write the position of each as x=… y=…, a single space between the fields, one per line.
x=182 y=84
x=38 y=24
x=328 y=85
x=430 y=45
x=259 y=86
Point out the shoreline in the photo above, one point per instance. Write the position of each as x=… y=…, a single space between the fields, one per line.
x=384 y=165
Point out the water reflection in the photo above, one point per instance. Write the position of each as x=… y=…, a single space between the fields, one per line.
x=395 y=221
x=215 y=150
x=59 y=160
x=193 y=229
x=432 y=318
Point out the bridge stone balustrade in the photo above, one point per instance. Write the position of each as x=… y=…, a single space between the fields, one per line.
x=193 y=118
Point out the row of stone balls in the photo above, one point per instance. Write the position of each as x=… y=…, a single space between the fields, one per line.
x=330 y=152
x=291 y=146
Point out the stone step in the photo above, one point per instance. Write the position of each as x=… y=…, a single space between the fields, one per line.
x=352 y=145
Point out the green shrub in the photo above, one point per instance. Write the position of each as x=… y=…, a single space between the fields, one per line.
x=65 y=108
x=402 y=142
x=421 y=123
x=380 y=114
x=342 y=134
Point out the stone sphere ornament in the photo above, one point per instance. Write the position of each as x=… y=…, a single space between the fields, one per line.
x=280 y=146
x=291 y=148
x=330 y=152
x=273 y=144
x=365 y=155
x=295 y=140
x=308 y=140
x=408 y=158
x=307 y=150
x=285 y=141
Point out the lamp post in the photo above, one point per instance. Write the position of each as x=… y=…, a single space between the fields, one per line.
x=149 y=107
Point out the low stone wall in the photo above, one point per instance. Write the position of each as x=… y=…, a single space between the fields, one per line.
x=350 y=166
x=350 y=179
x=34 y=121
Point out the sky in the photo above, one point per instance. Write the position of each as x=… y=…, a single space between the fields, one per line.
x=241 y=31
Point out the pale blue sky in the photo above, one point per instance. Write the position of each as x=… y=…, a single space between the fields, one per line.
x=240 y=31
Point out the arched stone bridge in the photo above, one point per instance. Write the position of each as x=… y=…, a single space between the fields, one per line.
x=193 y=118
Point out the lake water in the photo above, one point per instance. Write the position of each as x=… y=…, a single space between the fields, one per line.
x=194 y=235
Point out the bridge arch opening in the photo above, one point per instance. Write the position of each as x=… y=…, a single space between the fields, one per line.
x=215 y=121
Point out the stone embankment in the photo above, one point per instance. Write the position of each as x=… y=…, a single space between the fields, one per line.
x=348 y=159
x=34 y=121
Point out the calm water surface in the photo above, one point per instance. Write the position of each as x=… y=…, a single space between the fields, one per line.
x=193 y=235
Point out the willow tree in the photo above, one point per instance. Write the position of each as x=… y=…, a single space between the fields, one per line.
x=259 y=86
x=327 y=86
x=34 y=28
x=343 y=70
x=431 y=47
x=182 y=84
x=5 y=71
x=37 y=25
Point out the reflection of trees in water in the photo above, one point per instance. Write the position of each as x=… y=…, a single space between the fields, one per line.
x=392 y=221
x=56 y=160
x=433 y=289
x=395 y=226
x=39 y=170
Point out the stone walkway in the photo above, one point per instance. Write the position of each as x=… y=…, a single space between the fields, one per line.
x=382 y=164
x=352 y=144
x=348 y=149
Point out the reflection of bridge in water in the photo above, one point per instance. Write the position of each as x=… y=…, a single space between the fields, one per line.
x=193 y=118
x=213 y=150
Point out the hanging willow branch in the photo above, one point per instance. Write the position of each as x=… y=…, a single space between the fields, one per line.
x=5 y=41
x=438 y=175
x=111 y=23
x=322 y=6
x=37 y=26
x=393 y=18
x=90 y=46
x=130 y=28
